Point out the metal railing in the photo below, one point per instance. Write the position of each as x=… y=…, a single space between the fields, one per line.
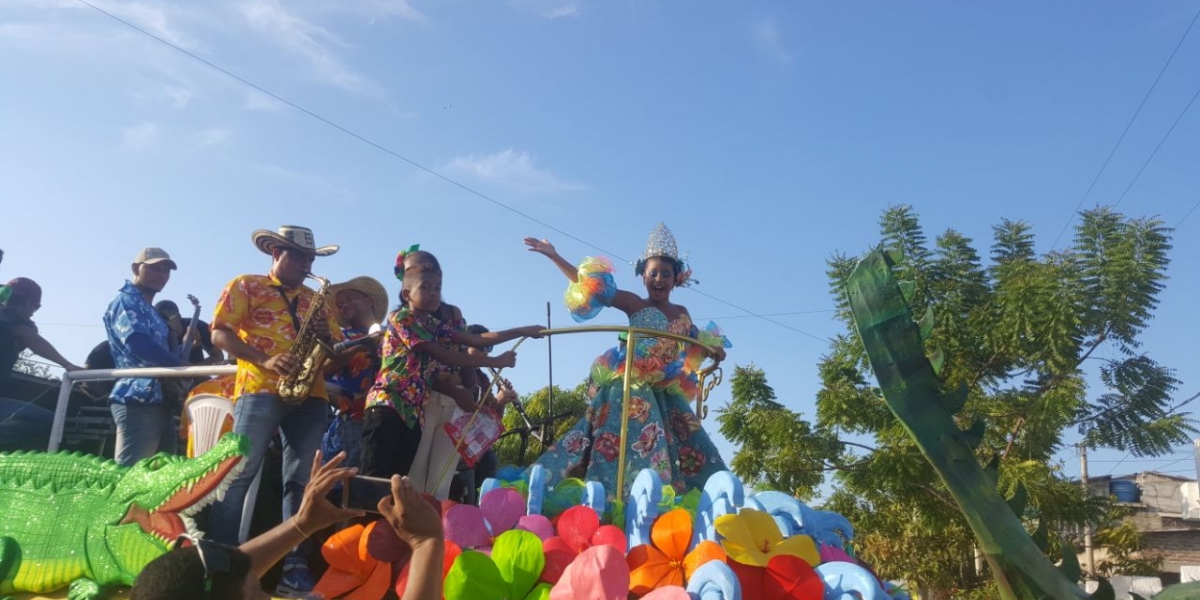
x=69 y=379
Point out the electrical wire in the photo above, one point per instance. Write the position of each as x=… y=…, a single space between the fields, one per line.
x=413 y=163
x=1129 y=124
x=1160 y=145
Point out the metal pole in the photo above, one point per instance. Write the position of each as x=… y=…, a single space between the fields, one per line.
x=60 y=412
x=630 y=350
x=1088 y=550
x=548 y=428
x=70 y=379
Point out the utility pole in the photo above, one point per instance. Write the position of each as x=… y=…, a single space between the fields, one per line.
x=1088 y=551
x=548 y=429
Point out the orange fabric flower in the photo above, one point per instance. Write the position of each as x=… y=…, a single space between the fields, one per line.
x=667 y=561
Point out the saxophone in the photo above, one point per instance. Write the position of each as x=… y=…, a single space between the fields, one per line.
x=308 y=349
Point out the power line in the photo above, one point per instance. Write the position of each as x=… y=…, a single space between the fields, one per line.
x=1125 y=131
x=1160 y=144
x=779 y=314
x=94 y=325
x=1187 y=214
x=413 y=163
x=763 y=317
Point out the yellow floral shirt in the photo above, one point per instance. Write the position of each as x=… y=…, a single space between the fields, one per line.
x=252 y=306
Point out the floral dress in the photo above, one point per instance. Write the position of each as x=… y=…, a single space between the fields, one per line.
x=664 y=432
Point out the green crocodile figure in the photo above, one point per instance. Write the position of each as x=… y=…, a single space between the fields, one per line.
x=895 y=345
x=69 y=519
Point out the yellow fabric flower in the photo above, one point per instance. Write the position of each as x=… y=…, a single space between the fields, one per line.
x=751 y=537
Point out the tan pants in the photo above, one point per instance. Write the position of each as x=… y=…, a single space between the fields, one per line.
x=435 y=454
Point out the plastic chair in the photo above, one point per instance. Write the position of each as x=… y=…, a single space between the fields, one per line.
x=207 y=414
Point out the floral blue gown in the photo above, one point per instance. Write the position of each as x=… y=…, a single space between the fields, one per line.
x=664 y=432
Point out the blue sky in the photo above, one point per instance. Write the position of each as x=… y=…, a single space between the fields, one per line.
x=767 y=135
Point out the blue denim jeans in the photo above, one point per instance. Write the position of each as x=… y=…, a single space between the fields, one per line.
x=24 y=426
x=143 y=430
x=344 y=435
x=257 y=416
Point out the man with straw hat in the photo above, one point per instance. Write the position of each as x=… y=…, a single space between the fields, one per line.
x=256 y=320
x=361 y=304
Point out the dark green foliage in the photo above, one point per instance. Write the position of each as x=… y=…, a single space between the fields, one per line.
x=778 y=449
x=1013 y=339
x=569 y=407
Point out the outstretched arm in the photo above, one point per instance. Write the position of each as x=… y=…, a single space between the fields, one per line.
x=316 y=513
x=489 y=338
x=545 y=248
x=37 y=344
x=626 y=302
x=455 y=358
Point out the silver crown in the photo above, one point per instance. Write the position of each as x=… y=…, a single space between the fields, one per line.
x=661 y=243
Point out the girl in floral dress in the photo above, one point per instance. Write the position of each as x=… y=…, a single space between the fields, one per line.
x=664 y=433
x=416 y=347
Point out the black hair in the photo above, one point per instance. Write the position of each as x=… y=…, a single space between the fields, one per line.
x=476 y=329
x=179 y=575
x=432 y=259
x=166 y=306
x=639 y=269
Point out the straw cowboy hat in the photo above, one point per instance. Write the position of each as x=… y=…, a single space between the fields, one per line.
x=290 y=237
x=369 y=286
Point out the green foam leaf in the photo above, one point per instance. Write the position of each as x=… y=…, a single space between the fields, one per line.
x=474 y=576
x=519 y=557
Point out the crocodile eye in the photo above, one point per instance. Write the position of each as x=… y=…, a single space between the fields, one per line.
x=155 y=463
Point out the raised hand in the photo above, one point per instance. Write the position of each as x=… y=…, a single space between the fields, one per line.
x=541 y=247
x=316 y=511
x=415 y=520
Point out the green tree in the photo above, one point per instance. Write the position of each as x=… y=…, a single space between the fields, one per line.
x=1022 y=334
x=28 y=365
x=569 y=407
x=778 y=449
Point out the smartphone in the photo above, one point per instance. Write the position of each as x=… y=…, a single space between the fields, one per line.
x=364 y=493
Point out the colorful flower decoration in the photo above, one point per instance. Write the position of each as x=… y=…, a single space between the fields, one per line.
x=666 y=560
x=474 y=527
x=784 y=577
x=599 y=573
x=510 y=573
x=353 y=573
x=578 y=529
x=593 y=289
x=752 y=537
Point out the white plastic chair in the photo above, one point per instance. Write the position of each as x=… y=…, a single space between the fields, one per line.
x=207 y=413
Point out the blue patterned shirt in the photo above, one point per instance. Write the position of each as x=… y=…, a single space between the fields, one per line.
x=130 y=314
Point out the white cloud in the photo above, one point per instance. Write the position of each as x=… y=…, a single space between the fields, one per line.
x=550 y=9
x=513 y=169
x=271 y=19
x=140 y=136
x=557 y=12
x=177 y=96
x=211 y=137
x=371 y=9
x=770 y=42
x=260 y=101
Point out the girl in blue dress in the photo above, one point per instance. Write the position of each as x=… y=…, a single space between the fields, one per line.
x=664 y=433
